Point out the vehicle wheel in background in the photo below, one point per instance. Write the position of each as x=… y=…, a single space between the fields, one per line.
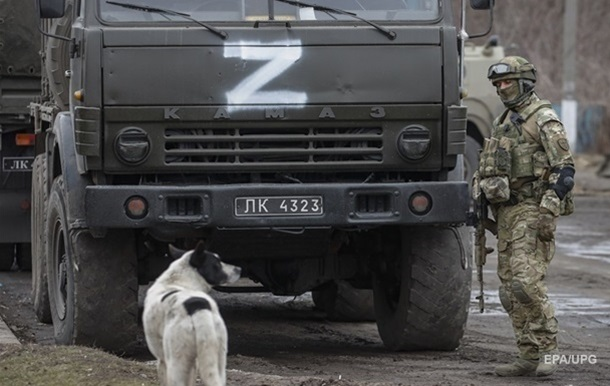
x=342 y=302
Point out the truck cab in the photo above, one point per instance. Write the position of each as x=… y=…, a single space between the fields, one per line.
x=310 y=144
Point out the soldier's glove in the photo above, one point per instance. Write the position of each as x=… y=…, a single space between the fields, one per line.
x=476 y=187
x=546 y=225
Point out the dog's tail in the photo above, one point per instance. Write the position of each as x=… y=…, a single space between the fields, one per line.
x=211 y=340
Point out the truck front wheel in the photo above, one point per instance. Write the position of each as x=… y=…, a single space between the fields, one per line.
x=422 y=288
x=93 y=286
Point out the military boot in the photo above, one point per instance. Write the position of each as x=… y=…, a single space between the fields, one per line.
x=546 y=366
x=519 y=368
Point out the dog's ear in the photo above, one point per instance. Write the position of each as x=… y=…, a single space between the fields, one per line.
x=175 y=252
x=208 y=265
x=199 y=255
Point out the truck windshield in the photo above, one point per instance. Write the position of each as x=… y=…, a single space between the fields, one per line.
x=255 y=10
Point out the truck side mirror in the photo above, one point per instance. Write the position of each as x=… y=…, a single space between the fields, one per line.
x=51 y=9
x=477 y=5
x=481 y=4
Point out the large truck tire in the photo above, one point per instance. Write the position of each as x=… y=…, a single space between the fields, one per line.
x=423 y=294
x=40 y=291
x=342 y=302
x=93 y=285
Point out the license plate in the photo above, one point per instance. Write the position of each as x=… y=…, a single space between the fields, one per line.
x=279 y=206
x=17 y=164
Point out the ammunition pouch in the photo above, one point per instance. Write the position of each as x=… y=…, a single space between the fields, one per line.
x=524 y=157
x=496 y=189
x=495 y=159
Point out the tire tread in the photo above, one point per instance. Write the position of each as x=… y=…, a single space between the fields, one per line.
x=435 y=315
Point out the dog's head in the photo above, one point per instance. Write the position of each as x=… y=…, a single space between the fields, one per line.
x=209 y=266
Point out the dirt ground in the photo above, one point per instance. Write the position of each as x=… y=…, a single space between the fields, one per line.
x=284 y=341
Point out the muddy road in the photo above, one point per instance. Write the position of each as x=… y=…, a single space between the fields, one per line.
x=285 y=341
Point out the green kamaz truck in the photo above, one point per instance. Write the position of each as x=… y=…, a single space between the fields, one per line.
x=310 y=144
x=19 y=85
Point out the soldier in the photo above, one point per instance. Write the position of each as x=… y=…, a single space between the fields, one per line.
x=526 y=173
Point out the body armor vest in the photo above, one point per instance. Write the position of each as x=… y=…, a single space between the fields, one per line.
x=521 y=138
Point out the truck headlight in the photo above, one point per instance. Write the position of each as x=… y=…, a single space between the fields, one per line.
x=414 y=142
x=132 y=145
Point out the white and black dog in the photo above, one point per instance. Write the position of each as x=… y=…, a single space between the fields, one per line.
x=183 y=327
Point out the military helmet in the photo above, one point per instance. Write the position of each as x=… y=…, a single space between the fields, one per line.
x=512 y=67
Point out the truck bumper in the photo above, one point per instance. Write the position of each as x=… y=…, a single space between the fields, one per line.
x=343 y=205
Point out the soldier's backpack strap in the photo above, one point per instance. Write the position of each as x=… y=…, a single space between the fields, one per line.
x=499 y=121
x=531 y=126
x=503 y=116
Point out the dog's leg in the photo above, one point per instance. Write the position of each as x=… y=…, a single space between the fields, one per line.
x=180 y=352
x=162 y=372
x=207 y=361
x=223 y=349
x=181 y=372
x=210 y=376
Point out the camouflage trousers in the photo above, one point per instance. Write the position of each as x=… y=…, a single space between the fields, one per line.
x=522 y=264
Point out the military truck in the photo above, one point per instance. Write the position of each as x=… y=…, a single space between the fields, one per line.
x=481 y=99
x=308 y=143
x=19 y=85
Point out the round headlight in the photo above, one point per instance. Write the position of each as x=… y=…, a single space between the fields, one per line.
x=414 y=142
x=132 y=145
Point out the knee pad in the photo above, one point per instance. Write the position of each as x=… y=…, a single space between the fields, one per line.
x=505 y=299
x=520 y=292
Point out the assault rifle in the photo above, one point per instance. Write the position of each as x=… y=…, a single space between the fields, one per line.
x=482 y=222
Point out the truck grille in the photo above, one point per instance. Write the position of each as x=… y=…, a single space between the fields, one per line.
x=269 y=146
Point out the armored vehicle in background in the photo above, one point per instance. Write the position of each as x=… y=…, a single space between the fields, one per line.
x=482 y=101
x=309 y=144
x=19 y=85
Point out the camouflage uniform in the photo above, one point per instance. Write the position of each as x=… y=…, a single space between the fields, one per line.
x=520 y=167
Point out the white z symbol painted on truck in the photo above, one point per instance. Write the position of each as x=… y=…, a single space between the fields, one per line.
x=280 y=59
